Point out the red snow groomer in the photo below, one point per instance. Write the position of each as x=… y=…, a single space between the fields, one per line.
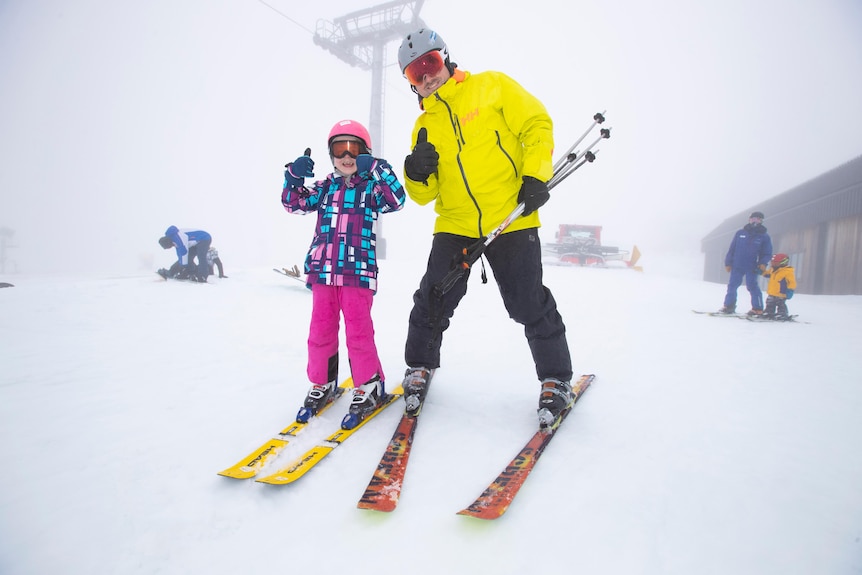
x=582 y=245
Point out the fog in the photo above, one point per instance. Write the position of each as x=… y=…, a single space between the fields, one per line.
x=119 y=118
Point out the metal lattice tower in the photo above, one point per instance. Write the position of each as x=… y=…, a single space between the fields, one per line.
x=360 y=39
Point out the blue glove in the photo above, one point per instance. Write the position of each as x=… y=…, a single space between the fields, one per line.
x=365 y=163
x=299 y=169
x=790 y=294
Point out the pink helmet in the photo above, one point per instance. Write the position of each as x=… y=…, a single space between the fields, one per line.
x=350 y=128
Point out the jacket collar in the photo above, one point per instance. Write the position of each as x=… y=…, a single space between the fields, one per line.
x=447 y=90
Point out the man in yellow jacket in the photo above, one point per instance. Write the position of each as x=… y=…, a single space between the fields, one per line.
x=483 y=145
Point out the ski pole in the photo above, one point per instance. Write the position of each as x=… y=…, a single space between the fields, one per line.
x=473 y=252
x=599 y=118
x=587 y=157
x=575 y=161
x=568 y=164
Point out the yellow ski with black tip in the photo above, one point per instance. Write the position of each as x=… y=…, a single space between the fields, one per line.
x=250 y=465
x=303 y=464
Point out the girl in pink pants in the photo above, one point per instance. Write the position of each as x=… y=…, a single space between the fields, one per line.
x=329 y=303
x=341 y=264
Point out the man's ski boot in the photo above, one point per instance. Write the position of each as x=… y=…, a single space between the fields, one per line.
x=366 y=398
x=415 y=389
x=318 y=396
x=556 y=397
x=754 y=312
x=727 y=309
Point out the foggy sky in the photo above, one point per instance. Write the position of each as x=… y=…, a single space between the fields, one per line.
x=120 y=118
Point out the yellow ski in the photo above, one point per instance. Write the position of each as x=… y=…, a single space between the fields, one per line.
x=313 y=456
x=250 y=465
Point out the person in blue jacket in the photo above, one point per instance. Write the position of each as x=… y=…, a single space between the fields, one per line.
x=190 y=244
x=750 y=252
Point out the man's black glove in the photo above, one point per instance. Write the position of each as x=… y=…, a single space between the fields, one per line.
x=423 y=161
x=534 y=193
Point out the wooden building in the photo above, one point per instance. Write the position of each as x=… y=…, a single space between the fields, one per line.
x=818 y=224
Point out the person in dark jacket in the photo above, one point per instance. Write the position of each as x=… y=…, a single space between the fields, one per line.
x=177 y=270
x=749 y=253
x=190 y=244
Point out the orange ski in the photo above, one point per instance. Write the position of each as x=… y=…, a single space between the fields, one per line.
x=495 y=500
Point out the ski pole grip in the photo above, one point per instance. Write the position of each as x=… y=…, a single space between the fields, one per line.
x=448 y=281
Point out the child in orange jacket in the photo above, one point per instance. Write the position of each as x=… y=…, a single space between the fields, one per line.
x=782 y=285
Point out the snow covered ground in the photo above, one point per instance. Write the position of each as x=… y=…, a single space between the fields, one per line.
x=705 y=446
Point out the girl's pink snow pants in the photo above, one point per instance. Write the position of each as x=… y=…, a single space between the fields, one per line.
x=328 y=304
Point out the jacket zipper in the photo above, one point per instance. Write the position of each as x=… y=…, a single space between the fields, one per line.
x=459 y=137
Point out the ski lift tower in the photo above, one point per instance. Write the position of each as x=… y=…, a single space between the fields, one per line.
x=360 y=39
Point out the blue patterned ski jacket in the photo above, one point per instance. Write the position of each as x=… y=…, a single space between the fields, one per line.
x=343 y=251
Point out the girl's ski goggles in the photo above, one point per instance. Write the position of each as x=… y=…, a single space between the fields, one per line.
x=350 y=148
x=428 y=64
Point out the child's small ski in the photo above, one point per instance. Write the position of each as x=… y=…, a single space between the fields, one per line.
x=768 y=319
x=251 y=464
x=300 y=466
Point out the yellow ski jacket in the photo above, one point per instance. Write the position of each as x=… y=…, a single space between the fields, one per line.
x=490 y=133
x=780 y=280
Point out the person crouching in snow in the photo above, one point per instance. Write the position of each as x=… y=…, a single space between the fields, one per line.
x=190 y=244
x=341 y=265
x=782 y=285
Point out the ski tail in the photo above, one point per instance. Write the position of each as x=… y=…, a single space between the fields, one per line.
x=495 y=500
x=384 y=489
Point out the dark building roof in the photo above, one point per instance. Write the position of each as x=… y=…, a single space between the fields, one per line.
x=830 y=196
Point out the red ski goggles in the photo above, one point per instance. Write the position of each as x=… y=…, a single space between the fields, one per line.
x=428 y=64
x=350 y=148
